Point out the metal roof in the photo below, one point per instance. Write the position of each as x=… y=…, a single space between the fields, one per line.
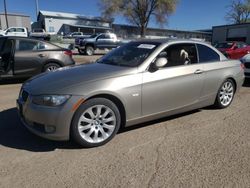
x=70 y=15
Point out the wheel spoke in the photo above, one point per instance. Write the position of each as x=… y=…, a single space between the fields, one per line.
x=90 y=112
x=110 y=127
x=83 y=128
x=109 y=119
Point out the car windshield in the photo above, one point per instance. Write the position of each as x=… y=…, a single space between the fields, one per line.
x=224 y=45
x=129 y=55
x=93 y=36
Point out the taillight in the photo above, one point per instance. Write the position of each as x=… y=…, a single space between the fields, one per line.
x=68 y=52
x=242 y=65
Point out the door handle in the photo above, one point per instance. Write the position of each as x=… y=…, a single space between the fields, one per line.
x=199 y=71
x=41 y=55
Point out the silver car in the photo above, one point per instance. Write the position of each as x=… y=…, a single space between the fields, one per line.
x=138 y=82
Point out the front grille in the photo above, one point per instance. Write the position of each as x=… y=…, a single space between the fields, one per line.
x=247 y=65
x=24 y=95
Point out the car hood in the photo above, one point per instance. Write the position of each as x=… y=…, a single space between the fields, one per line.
x=56 y=82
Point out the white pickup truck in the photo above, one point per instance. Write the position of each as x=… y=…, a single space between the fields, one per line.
x=15 y=31
x=40 y=33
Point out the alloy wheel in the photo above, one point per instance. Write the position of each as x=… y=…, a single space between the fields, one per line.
x=226 y=93
x=97 y=123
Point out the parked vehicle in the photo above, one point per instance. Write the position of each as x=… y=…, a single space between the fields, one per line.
x=137 y=82
x=233 y=50
x=40 y=34
x=97 y=41
x=15 y=31
x=77 y=34
x=246 y=62
x=24 y=57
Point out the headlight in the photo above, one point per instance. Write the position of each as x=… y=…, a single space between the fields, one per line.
x=50 y=100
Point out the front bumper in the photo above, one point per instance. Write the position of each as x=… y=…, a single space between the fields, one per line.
x=48 y=122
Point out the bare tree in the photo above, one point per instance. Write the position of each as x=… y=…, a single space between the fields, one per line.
x=139 y=12
x=238 y=11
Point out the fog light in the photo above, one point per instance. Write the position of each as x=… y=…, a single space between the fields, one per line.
x=50 y=128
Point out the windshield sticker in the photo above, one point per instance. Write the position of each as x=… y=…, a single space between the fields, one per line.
x=146 y=46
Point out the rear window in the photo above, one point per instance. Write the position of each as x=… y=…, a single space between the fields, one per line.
x=207 y=54
x=20 y=30
x=224 y=45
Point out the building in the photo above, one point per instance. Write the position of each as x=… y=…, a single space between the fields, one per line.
x=128 y=31
x=235 y=32
x=15 y=20
x=65 y=23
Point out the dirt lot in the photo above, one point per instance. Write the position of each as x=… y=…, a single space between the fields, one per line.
x=202 y=148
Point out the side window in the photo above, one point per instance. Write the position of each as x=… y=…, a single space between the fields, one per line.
x=25 y=45
x=42 y=46
x=180 y=54
x=20 y=30
x=11 y=30
x=207 y=54
x=51 y=29
x=105 y=36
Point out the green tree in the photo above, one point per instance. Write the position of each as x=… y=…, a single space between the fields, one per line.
x=139 y=12
x=238 y=11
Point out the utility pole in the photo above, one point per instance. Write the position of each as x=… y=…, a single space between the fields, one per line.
x=37 y=8
x=5 y=12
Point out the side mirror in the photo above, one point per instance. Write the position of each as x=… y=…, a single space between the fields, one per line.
x=159 y=63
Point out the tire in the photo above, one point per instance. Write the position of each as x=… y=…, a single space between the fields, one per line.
x=95 y=123
x=81 y=51
x=51 y=67
x=89 y=50
x=225 y=94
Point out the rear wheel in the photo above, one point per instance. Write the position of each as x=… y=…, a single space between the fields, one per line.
x=225 y=94
x=95 y=123
x=50 y=67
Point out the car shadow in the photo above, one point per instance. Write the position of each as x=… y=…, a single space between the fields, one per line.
x=14 y=135
x=246 y=83
x=12 y=81
x=149 y=123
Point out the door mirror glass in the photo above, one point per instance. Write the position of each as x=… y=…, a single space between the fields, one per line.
x=161 y=62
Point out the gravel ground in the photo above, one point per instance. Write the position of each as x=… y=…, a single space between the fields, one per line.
x=202 y=148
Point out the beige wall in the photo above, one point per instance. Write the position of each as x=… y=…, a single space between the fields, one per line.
x=15 y=21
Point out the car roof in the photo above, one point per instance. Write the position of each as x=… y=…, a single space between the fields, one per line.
x=170 y=40
x=31 y=39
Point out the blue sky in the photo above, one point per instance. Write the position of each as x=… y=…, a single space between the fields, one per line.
x=189 y=15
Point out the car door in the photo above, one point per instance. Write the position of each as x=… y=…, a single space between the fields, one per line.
x=104 y=41
x=213 y=71
x=176 y=85
x=6 y=55
x=28 y=57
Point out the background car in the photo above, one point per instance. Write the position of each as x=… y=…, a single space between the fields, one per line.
x=15 y=31
x=233 y=50
x=23 y=57
x=246 y=61
x=137 y=82
x=97 y=41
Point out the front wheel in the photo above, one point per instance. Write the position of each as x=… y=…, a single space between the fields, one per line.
x=95 y=123
x=225 y=94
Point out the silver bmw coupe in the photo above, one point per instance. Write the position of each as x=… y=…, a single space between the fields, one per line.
x=137 y=82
